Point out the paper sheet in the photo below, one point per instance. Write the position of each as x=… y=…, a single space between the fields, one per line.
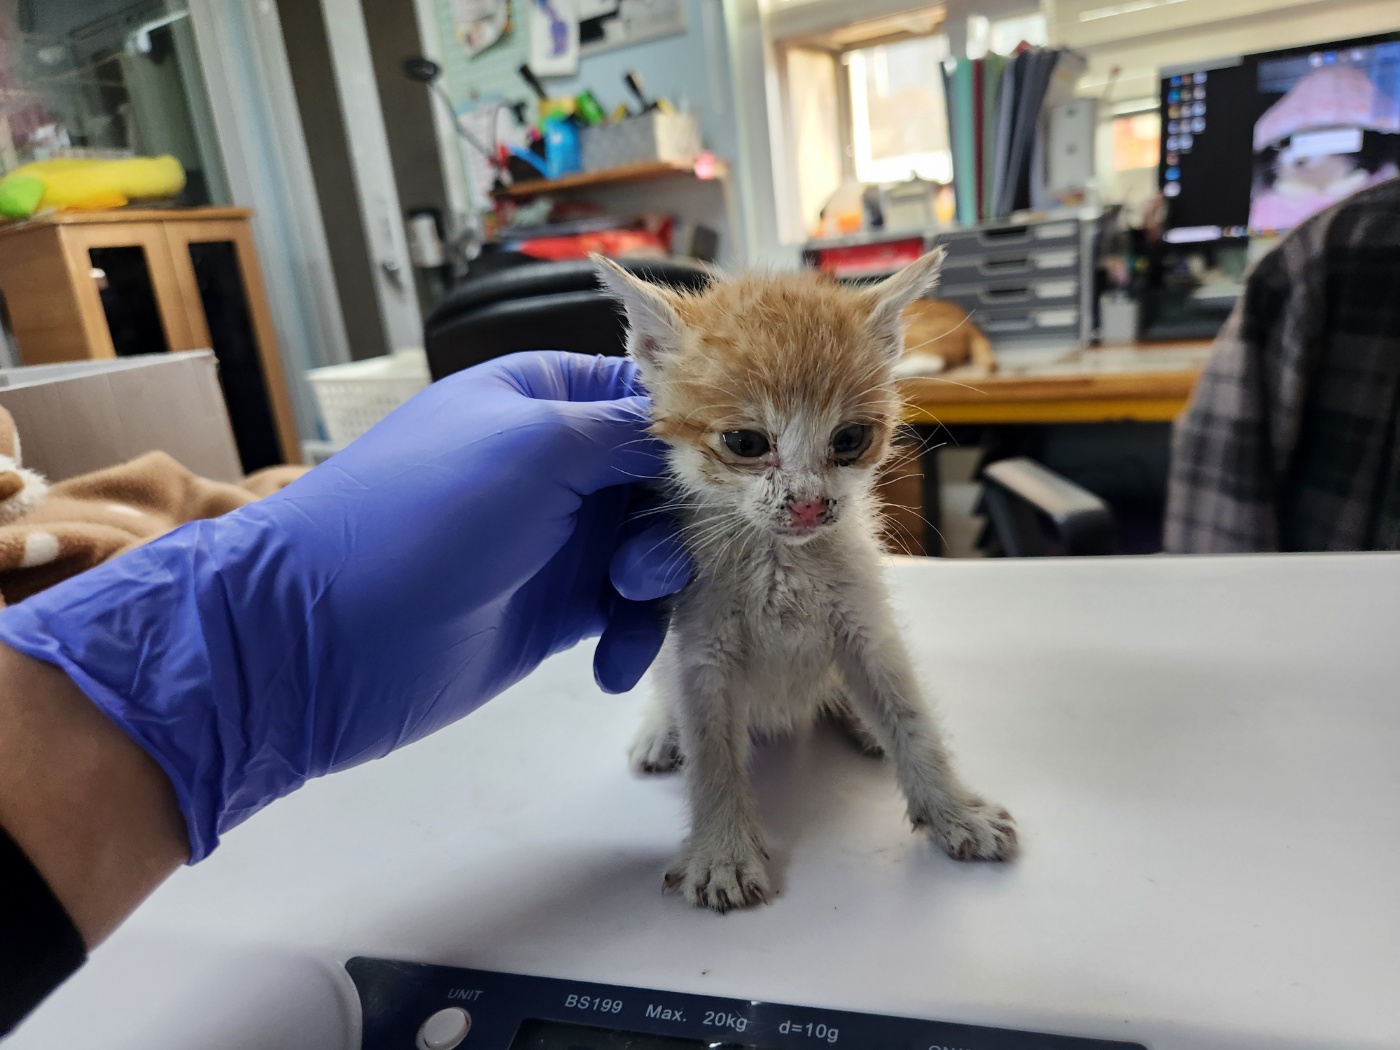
x=482 y=122
x=554 y=37
x=480 y=23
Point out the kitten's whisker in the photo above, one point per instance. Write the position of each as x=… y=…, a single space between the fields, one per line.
x=954 y=382
x=945 y=335
x=927 y=524
x=886 y=479
x=904 y=535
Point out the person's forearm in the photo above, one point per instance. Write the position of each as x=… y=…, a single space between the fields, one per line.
x=92 y=811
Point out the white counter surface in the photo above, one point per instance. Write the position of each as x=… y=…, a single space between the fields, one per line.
x=1203 y=757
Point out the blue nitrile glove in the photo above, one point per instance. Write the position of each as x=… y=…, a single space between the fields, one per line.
x=488 y=523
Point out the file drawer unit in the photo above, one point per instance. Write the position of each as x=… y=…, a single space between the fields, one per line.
x=1027 y=285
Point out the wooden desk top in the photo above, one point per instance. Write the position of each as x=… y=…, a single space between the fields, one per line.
x=1146 y=384
x=115 y=215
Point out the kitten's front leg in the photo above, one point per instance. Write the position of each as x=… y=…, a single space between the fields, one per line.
x=721 y=865
x=882 y=686
x=657 y=746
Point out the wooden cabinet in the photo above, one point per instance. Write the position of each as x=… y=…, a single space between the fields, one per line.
x=118 y=283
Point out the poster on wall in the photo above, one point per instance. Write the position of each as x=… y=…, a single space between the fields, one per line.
x=590 y=9
x=606 y=24
x=554 y=37
x=480 y=23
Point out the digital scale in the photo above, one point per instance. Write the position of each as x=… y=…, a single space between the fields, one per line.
x=442 y=1008
x=1202 y=756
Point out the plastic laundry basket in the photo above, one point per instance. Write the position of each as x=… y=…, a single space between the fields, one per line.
x=356 y=396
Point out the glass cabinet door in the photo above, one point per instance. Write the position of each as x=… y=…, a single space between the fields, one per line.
x=124 y=284
x=107 y=80
x=234 y=341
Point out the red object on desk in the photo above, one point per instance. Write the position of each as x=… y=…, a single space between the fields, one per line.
x=604 y=242
x=864 y=260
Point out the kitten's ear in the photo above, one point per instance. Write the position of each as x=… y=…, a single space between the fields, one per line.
x=891 y=296
x=654 y=329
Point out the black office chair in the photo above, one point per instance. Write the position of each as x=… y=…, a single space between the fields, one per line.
x=1032 y=512
x=539 y=306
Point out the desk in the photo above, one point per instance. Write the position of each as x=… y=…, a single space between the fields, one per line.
x=1149 y=384
x=1146 y=384
x=1201 y=754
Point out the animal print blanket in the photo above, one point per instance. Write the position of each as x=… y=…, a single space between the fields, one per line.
x=51 y=532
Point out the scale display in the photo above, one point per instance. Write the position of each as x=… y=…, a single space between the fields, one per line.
x=441 y=1008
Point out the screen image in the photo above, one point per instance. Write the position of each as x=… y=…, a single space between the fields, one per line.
x=1332 y=128
x=1259 y=143
x=1204 y=171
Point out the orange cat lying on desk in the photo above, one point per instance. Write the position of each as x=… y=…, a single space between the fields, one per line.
x=939 y=335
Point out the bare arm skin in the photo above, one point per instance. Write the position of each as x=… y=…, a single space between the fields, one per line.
x=92 y=811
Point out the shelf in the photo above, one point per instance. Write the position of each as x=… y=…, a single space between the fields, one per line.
x=610 y=177
x=127 y=214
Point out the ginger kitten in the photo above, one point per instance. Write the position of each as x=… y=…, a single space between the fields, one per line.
x=776 y=396
x=939 y=335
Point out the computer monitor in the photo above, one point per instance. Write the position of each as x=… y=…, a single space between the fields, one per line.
x=1256 y=144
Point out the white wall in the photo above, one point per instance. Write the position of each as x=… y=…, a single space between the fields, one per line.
x=1140 y=43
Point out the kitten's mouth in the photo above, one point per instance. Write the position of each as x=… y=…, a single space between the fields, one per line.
x=800 y=532
x=797 y=537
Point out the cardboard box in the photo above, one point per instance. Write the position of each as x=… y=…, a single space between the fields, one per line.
x=87 y=415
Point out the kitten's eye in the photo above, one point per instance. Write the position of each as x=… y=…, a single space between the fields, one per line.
x=748 y=444
x=850 y=441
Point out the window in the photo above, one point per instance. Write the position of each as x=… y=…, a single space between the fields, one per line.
x=899 y=123
x=863 y=102
x=815 y=112
x=1136 y=141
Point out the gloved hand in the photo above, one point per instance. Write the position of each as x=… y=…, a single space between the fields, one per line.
x=490 y=522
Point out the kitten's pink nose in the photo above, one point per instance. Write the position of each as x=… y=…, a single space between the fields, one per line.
x=808 y=513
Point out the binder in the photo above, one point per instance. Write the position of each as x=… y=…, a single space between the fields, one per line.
x=965 y=173
x=992 y=69
x=979 y=156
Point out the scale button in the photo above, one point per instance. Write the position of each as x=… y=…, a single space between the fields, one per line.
x=445 y=1029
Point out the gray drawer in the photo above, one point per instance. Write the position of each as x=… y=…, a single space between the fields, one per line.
x=1025 y=263
x=1061 y=291
x=1011 y=324
x=1037 y=235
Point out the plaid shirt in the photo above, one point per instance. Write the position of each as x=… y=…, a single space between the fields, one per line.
x=1290 y=442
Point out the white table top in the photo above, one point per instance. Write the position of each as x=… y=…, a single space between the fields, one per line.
x=1203 y=756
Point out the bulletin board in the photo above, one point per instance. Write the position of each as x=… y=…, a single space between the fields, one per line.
x=491 y=74
x=603 y=26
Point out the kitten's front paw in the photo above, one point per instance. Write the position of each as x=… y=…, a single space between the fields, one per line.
x=971 y=829
x=655 y=751
x=720 y=879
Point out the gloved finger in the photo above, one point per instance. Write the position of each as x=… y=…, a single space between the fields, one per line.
x=558 y=376
x=629 y=644
x=601 y=378
x=605 y=443
x=651 y=563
